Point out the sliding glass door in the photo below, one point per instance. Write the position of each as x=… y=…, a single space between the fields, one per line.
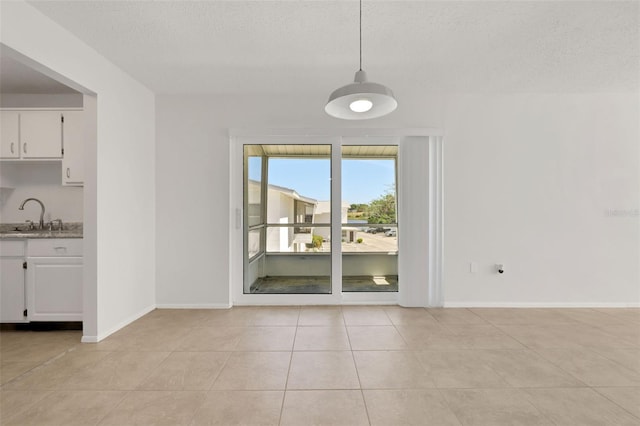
x=288 y=206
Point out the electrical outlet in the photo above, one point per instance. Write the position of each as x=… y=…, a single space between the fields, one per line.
x=473 y=267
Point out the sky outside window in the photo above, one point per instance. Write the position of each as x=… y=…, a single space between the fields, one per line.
x=362 y=180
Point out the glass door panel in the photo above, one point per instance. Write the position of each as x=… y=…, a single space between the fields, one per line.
x=369 y=219
x=288 y=214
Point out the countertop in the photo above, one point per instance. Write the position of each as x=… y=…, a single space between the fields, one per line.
x=20 y=230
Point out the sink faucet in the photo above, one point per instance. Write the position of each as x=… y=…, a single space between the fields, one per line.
x=41 y=224
x=59 y=223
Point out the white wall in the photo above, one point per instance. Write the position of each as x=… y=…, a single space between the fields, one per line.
x=528 y=178
x=43 y=181
x=119 y=215
x=192 y=179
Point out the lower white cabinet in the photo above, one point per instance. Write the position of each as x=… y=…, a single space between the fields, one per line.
x=12 y=281
x=54 y=279
x=12 y=303
x=54 y=288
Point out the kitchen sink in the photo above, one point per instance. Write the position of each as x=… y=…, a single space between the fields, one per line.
x=19 y=230
x=23 y=231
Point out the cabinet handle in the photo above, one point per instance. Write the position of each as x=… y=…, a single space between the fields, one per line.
x=24 y=147
x=12 y=144
x=60 y=249
x=68 y=172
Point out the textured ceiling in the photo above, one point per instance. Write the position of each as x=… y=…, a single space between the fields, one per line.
x=285 y=47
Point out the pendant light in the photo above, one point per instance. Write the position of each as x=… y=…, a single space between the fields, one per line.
x=361 y=99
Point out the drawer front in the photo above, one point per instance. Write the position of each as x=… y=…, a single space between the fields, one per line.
x=53 y=247
x=12 y=248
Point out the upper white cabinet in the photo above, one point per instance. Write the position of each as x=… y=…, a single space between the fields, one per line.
x=41 y=134
x=31 y=135
x=73 y=136
x=36 y=135
x=9 y=134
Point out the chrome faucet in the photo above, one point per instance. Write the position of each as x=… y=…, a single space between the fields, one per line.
x=59 y=223
x=41 y=224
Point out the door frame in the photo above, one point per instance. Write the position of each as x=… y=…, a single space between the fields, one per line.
x=416 y=148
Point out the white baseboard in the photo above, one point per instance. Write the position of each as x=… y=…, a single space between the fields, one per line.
x=193 y=306
x=121 y=324
x=540 y=305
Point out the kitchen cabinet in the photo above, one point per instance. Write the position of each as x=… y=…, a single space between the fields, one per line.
x=73 y=137
x=41 y=134
x=35 y=135
x=9 y=134
x=12 y=281
x=54 y=279
x=31 y=135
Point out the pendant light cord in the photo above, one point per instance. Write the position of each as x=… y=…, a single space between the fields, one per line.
x=360 y=35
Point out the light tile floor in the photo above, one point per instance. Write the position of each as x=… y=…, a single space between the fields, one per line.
x=332 y=366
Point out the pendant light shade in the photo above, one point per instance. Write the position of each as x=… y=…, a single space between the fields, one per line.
x=361 y=99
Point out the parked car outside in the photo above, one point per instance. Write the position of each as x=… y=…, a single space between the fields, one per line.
x=376 y=230
x=391 y=233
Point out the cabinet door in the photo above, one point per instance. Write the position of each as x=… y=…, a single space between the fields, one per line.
x=73 y=134
x=9 y=134
x=54 y=288
x=12 y=303
x=41 y=134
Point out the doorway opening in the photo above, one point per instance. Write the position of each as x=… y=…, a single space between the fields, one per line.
x=288 y=226
x=380 y=243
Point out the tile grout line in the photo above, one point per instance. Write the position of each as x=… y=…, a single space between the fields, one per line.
x=616 y=361
x=286 y=383
x=355 y=365
x=224 y=364
x=37 y=367
x=115 y=407
x=208 y=391
x=589 y=350
x=23 y=409
x=446 y=403
x=595 y=389
x=398 y=331
x=533 y=350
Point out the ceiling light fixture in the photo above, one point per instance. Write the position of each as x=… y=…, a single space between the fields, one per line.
x=361 y=99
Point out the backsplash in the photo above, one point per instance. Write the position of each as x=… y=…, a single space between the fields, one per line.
x=42 y=181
